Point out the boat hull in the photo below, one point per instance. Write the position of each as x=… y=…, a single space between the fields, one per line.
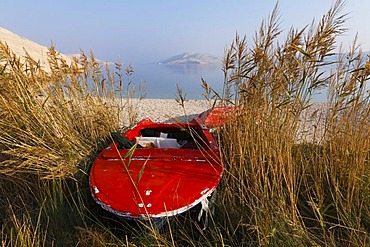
x=142 y=183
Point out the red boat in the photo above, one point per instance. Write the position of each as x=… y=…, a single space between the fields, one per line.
x=217 y=116
x=156 y=170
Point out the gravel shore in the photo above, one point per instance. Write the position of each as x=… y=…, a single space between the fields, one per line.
x=311 y=124
x=161 y=110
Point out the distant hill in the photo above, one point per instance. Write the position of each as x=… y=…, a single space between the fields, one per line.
x=191 y=58
x=19 y=45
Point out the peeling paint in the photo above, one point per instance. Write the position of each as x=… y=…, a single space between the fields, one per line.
x=140 y=158
x=96 y=190
x=200 y=160
x=204 y=191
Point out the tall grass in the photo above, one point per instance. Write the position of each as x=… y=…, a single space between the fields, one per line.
x=277 y=189
x=284 y=193
x=52 y=124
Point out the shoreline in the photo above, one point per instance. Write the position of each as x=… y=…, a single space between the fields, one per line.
x=161 y=110
x=311 y=124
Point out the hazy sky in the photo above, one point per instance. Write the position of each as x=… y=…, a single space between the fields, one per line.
x=144 y=31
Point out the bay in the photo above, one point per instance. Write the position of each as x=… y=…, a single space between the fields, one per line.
x=160 y=80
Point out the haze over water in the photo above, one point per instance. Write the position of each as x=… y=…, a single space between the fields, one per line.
x=160 y=80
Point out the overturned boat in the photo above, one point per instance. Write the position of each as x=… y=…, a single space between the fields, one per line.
x=156 y=170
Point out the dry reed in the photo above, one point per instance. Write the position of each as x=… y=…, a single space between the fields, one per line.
x=282 y=192
x=52 y=124
x=276 y=190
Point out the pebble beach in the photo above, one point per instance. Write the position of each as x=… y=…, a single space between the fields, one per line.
x=160 y=110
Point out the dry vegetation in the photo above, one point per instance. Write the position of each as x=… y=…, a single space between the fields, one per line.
x=287 y=193
x=52 y=125
x=275 y=190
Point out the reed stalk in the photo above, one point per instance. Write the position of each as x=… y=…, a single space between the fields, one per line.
x=53 y=122
x=278 y=189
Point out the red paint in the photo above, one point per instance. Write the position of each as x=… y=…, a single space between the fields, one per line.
x=173 y=179
x=216 y=116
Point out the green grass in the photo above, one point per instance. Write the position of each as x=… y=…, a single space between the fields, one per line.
x=276 y=190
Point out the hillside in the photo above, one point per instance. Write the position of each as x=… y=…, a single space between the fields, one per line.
x=20 y=44
x=191 y=58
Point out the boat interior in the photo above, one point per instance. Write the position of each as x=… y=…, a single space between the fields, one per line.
x=170 y=137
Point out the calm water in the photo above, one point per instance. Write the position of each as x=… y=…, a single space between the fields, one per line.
x=160 y=80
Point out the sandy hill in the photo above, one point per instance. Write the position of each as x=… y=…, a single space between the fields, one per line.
x=19 y=45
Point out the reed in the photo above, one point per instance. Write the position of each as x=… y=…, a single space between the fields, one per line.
x=52 y=125
x=285 y=191
x=278 y=188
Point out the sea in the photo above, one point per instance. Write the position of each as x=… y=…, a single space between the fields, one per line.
x=161 y=80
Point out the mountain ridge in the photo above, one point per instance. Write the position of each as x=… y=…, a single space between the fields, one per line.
x=191 y=58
